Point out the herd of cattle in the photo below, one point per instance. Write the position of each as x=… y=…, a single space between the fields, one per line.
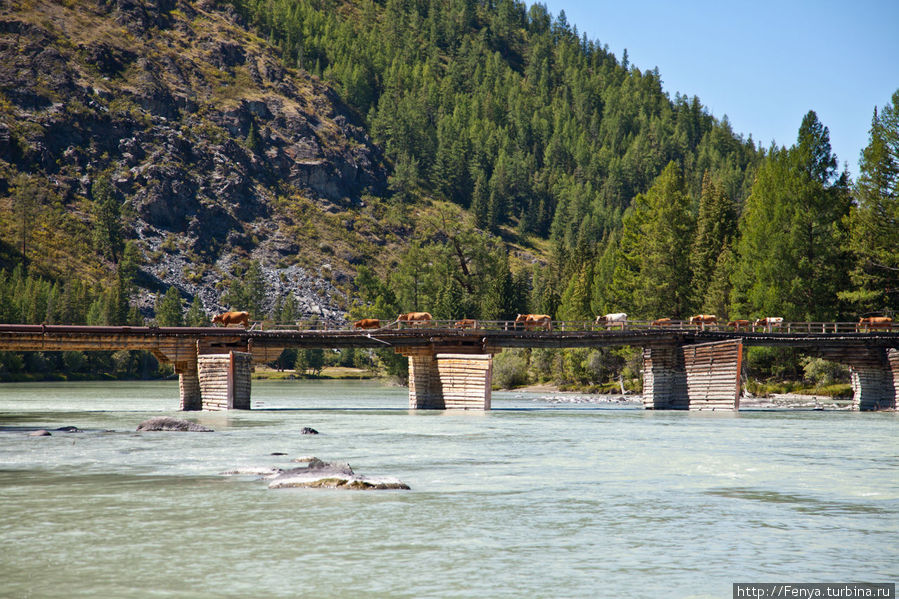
x=530 y=322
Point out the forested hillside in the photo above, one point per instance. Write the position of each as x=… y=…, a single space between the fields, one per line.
x=467 y=157
x=507 y=111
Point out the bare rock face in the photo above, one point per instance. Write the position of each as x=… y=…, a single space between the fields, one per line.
x=168 y=111
x=334 y=475
x=167 y=423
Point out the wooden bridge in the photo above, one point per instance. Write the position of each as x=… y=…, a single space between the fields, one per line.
x=684 y=366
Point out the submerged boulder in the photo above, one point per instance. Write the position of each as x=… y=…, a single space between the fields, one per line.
x=39 y=433
x=336 y=475
x=308 y=431
x=167 y=423
x=264 y=472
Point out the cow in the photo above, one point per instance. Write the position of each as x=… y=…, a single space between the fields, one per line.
x=704 y=319
x=466 y=323
x=874 y=322
x=769 y=321
x=534 y=321
x=738 y=324
x=414 y=318
x=661 y=322
x=610 y=319
x=367 y=323
x=229 y=318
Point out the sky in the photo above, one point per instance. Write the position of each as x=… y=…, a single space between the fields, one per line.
x=763 y=63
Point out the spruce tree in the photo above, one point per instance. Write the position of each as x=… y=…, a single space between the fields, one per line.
x=652 y=270
x=792 y=248
x=168 y=309
x=108 y=235
x=874 y=236
x=715 y=227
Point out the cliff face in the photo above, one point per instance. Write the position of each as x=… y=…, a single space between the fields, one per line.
x=218 y=154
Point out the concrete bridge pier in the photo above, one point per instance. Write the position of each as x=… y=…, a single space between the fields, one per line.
x=449 y=381
x=704 y=376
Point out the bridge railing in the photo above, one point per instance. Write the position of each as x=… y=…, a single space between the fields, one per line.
x=580 y=325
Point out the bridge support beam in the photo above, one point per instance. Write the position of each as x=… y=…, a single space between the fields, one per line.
x=874 y=374
x=704 y=376
x=449 y=381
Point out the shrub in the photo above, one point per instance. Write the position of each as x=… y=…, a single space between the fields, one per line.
x=510 y=369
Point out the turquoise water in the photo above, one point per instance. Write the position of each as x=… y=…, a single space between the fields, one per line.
x=532 y=499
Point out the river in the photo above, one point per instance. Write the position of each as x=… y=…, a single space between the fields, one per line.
x=532 y=499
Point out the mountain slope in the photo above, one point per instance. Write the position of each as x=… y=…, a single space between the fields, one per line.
x=218 y=153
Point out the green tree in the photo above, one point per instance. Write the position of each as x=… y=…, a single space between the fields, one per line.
x=254 y=141
x=168 y=309
x=310 y=359
x=716 y=227
x=108 y=236
x=196 y=316
x=652 y=270
x=792 y=256
x=874 y=223
x=246 y=291
x=27 y=199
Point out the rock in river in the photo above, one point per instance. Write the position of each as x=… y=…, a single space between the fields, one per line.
x=167 y=423
x=332 y=475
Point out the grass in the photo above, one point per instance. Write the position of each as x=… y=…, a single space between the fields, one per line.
x=767 y=388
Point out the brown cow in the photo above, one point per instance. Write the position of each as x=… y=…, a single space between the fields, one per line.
x=738 y=324
x=414 y=318
x=660 y=322
x=466 y=323
x=703 y=319
x=534 y=321
x=874 y=322
x=229 y=318
x=367 y=323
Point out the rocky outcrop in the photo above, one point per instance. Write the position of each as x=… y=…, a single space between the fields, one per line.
x=336 y=475
x=166 y=423
x=205 y=134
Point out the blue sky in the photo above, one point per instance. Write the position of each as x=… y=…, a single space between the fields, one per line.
x=763 y=63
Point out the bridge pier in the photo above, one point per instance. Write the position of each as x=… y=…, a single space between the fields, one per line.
x=705 y=376
x=189 y=385
x=874 y=374
x=448 y=381
x=225 y=380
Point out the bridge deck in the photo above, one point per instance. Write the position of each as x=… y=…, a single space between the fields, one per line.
x=178 y=340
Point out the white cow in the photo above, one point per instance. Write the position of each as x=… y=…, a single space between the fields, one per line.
x=611 y=319
x=769 y=321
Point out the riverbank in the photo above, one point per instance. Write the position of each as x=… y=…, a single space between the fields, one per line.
x=799 y=401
